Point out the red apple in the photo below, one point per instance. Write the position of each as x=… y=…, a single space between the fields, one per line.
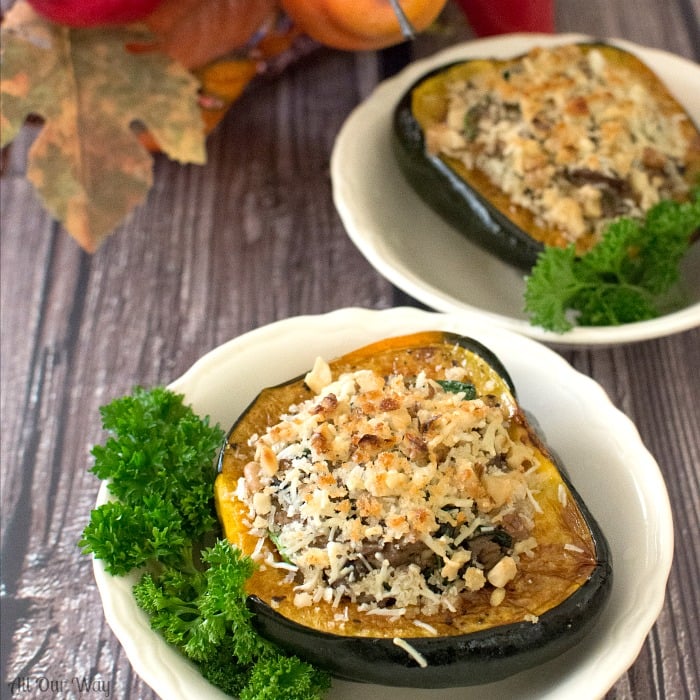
x=90 y=13
x=489 y=17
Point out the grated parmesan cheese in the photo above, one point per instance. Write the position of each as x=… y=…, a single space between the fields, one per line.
x=411 y=651
x=389 y=491
x=573 y=138
x=425 y=626
x=561 y=495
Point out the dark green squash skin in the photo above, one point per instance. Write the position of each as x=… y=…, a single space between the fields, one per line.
x=485 y=353
x=461 y=660
x=471 y=659
x=450 y=196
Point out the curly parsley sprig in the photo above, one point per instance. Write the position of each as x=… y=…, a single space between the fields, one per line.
x=158 y=466
x=158 y=463
x=625 y=278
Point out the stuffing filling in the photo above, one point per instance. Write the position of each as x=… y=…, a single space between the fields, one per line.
x=393 y=492
x=568 y=135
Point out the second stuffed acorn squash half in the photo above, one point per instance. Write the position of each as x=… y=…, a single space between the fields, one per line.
x=409 y=525
x=546 y=148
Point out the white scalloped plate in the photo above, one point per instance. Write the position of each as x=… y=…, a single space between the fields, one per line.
x=416 y=250
x=600 y=447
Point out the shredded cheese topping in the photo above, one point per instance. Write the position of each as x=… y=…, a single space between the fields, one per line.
x=393 y=492
x=411 y=651
x=568 y=135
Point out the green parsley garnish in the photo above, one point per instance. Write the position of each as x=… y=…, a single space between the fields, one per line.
x=626 y=277
x=159 y=465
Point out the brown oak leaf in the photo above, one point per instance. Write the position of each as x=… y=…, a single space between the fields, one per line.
x=87 y=163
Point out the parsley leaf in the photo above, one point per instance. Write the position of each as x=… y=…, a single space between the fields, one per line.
x=160 y=446
x=623 y=279
x=197 y=610
x=127 y=535
x=158 y=462
x=276 y=677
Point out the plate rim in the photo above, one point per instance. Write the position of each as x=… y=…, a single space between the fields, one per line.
x=146 y=662
x=426 y=292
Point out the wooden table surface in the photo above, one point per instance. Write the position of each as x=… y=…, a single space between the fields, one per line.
x=250 y=238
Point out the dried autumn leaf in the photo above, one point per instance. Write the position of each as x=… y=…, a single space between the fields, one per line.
x=87 y=163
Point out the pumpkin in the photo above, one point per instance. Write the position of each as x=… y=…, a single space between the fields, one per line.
x=546 y=608
x=363 y=24
x=228 y=44
x=496 y=211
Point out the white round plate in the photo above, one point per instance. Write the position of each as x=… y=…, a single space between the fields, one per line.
x=416 y=250
x=600 y=447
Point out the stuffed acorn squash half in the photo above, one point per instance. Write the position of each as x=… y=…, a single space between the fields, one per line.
x=409 y=525
x=544 y=149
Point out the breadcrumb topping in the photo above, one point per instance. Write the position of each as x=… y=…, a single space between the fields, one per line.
x=568 y=135
x=393 y=492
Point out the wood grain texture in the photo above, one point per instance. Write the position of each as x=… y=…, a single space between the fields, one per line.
x=251 y=238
